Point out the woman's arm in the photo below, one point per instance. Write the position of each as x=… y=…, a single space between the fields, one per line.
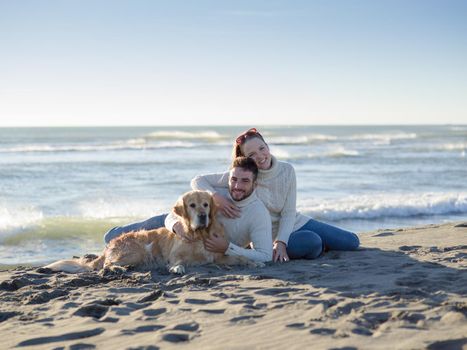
x=289 y=211
x=212 y=183
x=209 y=182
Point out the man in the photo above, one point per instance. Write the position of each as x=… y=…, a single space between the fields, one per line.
x=252 y=226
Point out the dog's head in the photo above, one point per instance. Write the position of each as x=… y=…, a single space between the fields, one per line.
x=197 y=209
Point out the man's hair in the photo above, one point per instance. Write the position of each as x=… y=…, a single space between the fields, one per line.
x=247 y=164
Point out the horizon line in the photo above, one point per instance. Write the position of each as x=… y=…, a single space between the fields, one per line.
x=219 y=125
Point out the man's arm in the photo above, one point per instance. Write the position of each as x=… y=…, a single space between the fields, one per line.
x=260 y=235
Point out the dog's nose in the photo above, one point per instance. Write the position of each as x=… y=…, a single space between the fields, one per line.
x=202 y=218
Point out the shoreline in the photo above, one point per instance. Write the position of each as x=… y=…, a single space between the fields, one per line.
x=407 y=284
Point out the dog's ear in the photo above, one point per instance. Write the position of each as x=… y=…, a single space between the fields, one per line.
x=212 y=210
x=179 y=208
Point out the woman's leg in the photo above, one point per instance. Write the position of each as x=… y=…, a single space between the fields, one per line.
x=149 y=224
x=333 y=237
x=304 y=244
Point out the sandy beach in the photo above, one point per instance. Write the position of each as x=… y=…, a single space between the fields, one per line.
x=404 y=289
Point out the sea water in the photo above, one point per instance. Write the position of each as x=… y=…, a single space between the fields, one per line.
x=62 y=188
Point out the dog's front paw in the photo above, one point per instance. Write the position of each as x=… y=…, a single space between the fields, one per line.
x=112 y=271
x=255 y=264
x=177 y=269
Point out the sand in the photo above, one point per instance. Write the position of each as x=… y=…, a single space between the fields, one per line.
x=404 y=289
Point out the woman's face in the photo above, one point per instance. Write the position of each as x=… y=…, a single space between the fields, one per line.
x=257 y=150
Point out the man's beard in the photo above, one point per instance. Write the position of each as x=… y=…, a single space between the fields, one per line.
x=243 y=195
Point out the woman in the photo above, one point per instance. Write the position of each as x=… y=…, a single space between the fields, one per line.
x=295 y=236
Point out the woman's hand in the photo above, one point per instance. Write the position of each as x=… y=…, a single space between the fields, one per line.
x=180 y=232
x=226 y=206
x=279 y=252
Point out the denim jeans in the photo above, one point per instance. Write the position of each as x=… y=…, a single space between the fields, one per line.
x=313 y=238
x=149 y=224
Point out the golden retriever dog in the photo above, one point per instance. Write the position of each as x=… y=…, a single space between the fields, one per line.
x=161 y=247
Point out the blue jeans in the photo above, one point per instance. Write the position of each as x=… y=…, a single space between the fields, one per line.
x=149 y=224
x=315 y=237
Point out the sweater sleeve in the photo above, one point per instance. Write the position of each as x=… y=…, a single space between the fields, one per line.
x=209 y=182
x=289 y=211
x=170 y=220
x=260 y=237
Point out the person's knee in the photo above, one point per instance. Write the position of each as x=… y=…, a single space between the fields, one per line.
x=314 y=248
x=112 y=233
x=305 y=245
x=354 y=242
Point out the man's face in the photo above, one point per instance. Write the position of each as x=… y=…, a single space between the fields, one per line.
x=241 y=183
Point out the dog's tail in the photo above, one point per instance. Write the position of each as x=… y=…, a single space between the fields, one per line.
x=77 y=265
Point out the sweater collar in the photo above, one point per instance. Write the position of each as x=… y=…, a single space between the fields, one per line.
x=244 y=202
x=272 y=171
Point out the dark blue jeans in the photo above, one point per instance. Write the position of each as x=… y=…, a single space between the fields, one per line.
x=149 y=224
x=313 y=238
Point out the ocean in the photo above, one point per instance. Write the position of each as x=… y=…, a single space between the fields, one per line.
x=62 y=188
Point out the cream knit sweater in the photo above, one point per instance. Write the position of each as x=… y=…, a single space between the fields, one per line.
x=252 y=227
x=276 y=188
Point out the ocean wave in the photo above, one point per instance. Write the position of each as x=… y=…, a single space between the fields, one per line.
x=300 y=139
x=387 y=205
x=333 y=152
x=14 y=218
x=132 y=144
x=208 y=135
x=460 y=146
x=385 y=139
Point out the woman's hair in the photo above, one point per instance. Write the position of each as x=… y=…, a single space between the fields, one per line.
x=246 y=164
x=242 y=138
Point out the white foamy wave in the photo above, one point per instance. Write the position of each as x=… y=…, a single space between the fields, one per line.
x=120 y=208
x=13 y=218
x=300 y=139
x=386 y=205
x=340 y=152
x=335 y=152
x=461 y=146
x=384 y=138
x=133 y=144
x=177 y=134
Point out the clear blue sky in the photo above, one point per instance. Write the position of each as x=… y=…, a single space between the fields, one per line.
x=134 y=62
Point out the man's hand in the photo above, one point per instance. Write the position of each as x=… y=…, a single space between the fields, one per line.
x=180 y=232
x=279 y=252
x=226 y=207
x=216 y=243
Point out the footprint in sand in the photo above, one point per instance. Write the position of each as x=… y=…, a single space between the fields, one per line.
x=8 y=314
x=199 y=301
x=82 y=346
x=188 y=327
x=409 y=248
x=278 y=291
x=246 y=319
x=151 y=296
x=176 y=337
x=299 y=325
x=323 y=331
x=448 y=344
x=142 y=329
x=45 y=297
x=61 y=338
x=154 y=312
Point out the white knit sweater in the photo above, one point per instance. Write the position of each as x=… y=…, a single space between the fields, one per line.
x=253 y=226
x=276 y=188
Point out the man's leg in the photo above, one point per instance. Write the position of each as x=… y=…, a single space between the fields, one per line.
x=304 y=244
x=149 y=224
x=333 y=237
